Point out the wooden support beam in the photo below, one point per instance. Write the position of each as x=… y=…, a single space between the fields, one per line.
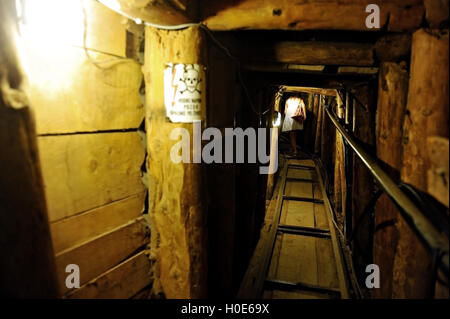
x=305 y=89
x=27 y=269
x=339 y=171
x=273 y=153
x=308 y=15
x=427 y=109
x=436 y=12
x=362 y=180
x=309 y=53
x=328 y=141
x=176 y=205
x=318 y=135
x=393 y=47
x=392 y=94
x=282 y=67
x=161 y=12
x=438 y=175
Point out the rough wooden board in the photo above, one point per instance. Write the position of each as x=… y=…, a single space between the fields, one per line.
x=438 y=175
x=392 y=94
x=307 y=89
x=309 y=53
x=161 y=12
x=306 y=162
x=69 y=93
x=326 y=264
x=255 y=274
x=328 y=14
x=427 y=107
x=338 y=257
x=299 y=189
x=393 y=47
x=297 y=261
x=297 y=213
x=103 y=252
x=85 y=171
x=428 y=103
x=436 y=12
x=77 y=229
x=120 y=282
x=317 y=192
x=301 y=173
x=106 y=29
x=321 y=220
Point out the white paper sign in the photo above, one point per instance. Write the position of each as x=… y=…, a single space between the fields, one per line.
x=184 y=92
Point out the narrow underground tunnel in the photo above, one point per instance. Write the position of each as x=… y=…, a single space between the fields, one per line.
x=228 y=150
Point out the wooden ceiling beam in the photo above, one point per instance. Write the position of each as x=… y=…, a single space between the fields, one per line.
x=310 y=53
x=395 y=15
x=305 y=89
x=161 y=12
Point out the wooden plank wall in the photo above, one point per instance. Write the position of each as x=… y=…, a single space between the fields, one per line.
x=88 y=110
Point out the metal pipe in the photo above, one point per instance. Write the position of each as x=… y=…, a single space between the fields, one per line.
x=412 y=215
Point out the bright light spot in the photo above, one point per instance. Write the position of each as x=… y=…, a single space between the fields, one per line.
x=49 y=29
x=19 y=9
x=138 y=21
x=52 y=23
x=277 y=119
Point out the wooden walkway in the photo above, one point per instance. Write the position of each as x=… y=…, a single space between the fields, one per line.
x=298 y=255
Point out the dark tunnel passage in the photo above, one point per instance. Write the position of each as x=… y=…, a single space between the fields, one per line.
x=231 y=150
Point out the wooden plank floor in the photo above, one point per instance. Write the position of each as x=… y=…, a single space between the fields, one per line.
x=304 y=259
x=297 y=258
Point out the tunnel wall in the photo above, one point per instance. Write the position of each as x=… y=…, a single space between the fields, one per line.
x=403 y=120
x=87 y=109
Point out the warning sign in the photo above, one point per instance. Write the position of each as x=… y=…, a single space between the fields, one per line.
x=184 y=92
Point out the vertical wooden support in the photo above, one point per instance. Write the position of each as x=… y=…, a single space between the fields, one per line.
x=362 y=180
x=27 y=269
x=273 y=152
x=347 y=108
x=339 y=174
x=427 y=115
x=392 y=94
x=311 y=122
x=328 y=144
x=318 y=136
x=176 y=205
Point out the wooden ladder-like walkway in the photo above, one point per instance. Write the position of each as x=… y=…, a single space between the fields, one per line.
x=298 y=254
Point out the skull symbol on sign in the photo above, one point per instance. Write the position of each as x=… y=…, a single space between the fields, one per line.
x=191 y=79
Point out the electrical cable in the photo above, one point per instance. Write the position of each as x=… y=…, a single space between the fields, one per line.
x=117 y=59
x=238 y=64
x=213 y=38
